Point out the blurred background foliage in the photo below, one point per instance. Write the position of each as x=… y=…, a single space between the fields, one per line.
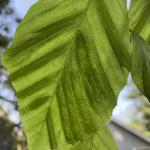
x=8 y=20
x=11 y=133
x=133 y=110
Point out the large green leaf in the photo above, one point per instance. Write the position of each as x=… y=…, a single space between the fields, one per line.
x=68 y=63
x=139 y=15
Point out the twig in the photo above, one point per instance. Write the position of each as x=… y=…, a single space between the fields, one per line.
x=6 y=100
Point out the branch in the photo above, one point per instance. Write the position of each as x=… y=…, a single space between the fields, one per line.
x=11 y=102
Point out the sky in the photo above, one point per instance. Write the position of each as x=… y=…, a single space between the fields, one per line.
x=22 y=6
x=128 y=3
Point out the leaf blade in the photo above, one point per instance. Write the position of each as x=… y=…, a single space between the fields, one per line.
x=140 y=64
x=139 y=23
x=71 y=69
x=139 y=18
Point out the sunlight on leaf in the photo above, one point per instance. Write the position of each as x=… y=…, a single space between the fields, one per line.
x=68 y=62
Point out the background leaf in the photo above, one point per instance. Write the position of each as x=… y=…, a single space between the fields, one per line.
x=141 y=64
x=139 y=16
x=68 y=62
x=140 y=23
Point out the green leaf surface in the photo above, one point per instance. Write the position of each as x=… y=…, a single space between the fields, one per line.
x=68 y=62
x=139 y=18
x=141 y=64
